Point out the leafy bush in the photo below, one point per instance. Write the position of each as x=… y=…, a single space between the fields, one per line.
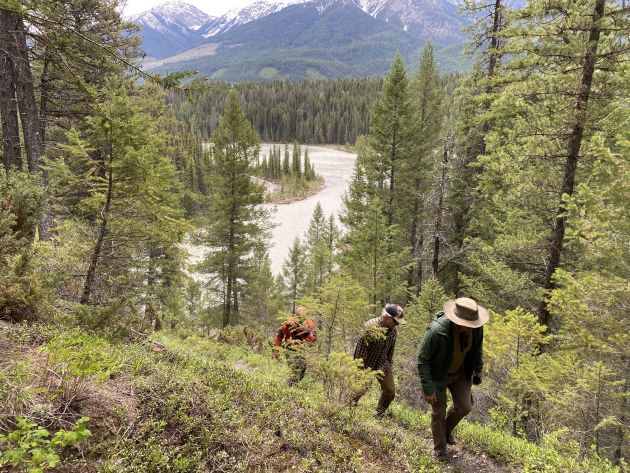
x=31 y=447
x=22 y=292
x=78 y=358
x=343 y=377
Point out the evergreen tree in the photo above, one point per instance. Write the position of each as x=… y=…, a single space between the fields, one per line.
x=380 y=165
x=261 y=299
x=236 y=222
x=294 y=272
x=286 y=166
x=562 y=77
x=319 y=253
x=390 y=135
x=308 y=175
x=589 y=299
x=332 y=239
x=117 y=187
x=428 y=110
x=296 y=162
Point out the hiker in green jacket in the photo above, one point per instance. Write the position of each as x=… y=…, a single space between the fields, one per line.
x=451 y=356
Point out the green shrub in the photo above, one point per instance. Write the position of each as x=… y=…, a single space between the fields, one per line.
x=30 y=447
x=79 y=358
x=343 y=377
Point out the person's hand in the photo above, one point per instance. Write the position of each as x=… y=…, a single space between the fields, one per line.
x=432 y=399
x=478 y=375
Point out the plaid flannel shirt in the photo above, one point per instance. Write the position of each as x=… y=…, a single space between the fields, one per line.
x=376 y=349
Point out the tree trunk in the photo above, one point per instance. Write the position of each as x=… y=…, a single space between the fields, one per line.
x=29 y=115
x=331 y=326
x=227 y=304
x=413 y=235
x=8 y=102
x=573 y=152
x=624 y=408
x=392 y=182
x=493 y=59
x=102 y=231
x=440 y=208
x=44 y=91
x=375 y=261
x=149 y=309
x=234 y=320
x=26 y=96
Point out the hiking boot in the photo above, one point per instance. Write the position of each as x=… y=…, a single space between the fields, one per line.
x=440 y=454
x=450 y=439
x=382 y=415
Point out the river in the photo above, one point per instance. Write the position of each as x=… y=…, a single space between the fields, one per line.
x=292 y=219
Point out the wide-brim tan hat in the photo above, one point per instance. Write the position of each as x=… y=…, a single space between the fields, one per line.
x=466 y=312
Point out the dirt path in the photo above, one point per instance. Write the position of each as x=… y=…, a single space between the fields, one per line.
x=460 y=459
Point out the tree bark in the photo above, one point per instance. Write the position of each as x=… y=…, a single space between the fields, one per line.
x=102 y=231
x=413 y=235
x=573 y=152
x=15 y=33
x=493 y=59
x=8 y=101
x=440 y=208
x=25 y=91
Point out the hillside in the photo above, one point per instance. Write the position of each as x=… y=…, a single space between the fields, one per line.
x=170 y=28
x=189 y=403
x=312 y=40
x=494 y=204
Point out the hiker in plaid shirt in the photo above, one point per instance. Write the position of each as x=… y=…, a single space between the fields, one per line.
x=376 y=349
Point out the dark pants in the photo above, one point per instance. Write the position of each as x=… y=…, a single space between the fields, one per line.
x=442 y=422
x=388 y=390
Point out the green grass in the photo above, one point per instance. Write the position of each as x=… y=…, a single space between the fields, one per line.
x=203 y=405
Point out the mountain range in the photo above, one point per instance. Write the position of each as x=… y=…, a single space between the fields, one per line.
x=300 y=39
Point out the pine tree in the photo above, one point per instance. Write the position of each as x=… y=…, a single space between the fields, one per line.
x=286 y=166
x=428 y=109
x=116 y=185
x=236 y=223
x=294 y=272
x=317 y=249
x=589 y=297
x=390 y=135
x=308 y=174
x=296 y=162
x=560 y=81
x=260 y=297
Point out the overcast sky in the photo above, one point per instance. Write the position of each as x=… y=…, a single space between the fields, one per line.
x=211 y=7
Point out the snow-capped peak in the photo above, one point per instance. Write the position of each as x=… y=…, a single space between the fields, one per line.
x=173 y=13
x=241 y=16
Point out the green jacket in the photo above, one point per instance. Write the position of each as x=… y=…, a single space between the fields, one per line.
x=436 y=352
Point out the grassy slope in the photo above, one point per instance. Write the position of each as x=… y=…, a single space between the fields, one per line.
x=202 y=405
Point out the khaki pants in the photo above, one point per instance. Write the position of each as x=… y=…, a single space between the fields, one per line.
x=443 y=422
x=388 y=390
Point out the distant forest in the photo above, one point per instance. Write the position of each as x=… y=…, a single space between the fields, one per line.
x=316 y=112
x=322 y=111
